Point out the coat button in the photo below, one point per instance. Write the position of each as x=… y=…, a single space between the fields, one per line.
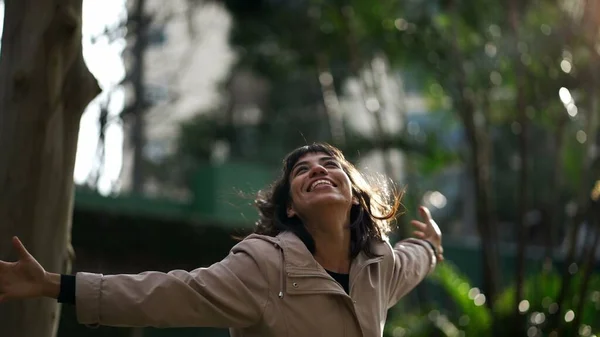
x=295 y=285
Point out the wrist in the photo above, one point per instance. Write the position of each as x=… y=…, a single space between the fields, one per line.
x=51 y=285
x=433 y=246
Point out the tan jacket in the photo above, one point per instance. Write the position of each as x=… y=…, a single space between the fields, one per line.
x=266 y=286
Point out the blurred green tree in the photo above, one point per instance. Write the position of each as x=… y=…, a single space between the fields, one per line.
x=518 y=78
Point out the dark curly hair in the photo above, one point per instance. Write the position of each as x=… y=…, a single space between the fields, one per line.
x=370 y=220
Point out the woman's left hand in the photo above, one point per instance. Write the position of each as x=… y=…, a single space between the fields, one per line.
x=429 y=230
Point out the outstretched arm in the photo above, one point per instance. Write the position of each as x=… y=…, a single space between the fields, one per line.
x=230 y=293
x=414 y=258
x=429 y=231
x=26 y=278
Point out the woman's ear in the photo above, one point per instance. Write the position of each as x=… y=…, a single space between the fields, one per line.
x=354 y=200
x=290 y=212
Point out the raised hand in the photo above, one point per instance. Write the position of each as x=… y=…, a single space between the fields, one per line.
x=25 y=278
x=429 y=230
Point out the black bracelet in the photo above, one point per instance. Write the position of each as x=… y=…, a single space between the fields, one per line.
x=67 y=289
x=432 y=247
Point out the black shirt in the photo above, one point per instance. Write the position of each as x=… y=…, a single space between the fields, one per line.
x=342 y=279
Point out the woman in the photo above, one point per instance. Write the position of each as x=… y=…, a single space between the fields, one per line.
x=318 y=264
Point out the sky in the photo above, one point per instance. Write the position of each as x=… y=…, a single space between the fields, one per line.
x=103 y=58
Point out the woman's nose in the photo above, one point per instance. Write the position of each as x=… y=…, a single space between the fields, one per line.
x=317 y=170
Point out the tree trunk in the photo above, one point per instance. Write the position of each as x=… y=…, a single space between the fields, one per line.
x=583 y=200
x=44 y=88
x=330 y=100
x=523 y=155
x=555 y=206
x=367 y=91
x=479 y=166
x=592 y=123
x=480 y=171
x=588 y=268
x=138 y=130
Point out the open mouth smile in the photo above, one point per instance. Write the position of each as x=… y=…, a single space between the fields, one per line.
x=320 y=182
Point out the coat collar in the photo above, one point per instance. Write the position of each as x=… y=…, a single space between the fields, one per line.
x=298 y=257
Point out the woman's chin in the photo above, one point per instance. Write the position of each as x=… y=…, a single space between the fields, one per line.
x=328 y=199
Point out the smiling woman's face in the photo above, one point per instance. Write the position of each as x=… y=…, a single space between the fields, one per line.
x=317 y=180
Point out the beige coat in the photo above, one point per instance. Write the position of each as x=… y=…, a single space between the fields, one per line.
x=266 y=286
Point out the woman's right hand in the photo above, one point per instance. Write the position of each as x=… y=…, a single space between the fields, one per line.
x=26 y=278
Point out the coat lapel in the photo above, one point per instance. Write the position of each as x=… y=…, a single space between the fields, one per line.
x=304 y=275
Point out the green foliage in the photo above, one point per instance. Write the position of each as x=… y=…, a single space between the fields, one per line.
x=469 y=301
x=573 y=155
x=541 y=291
x=469 y=314
x=448 y=51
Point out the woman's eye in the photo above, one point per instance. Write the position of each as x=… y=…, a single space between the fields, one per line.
x=331 y=164
x=300 y=170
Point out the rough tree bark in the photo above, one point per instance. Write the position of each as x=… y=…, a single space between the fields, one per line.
x=44 y=88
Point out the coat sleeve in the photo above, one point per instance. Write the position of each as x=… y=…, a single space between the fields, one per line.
x=413 y=260
x=231 y=293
